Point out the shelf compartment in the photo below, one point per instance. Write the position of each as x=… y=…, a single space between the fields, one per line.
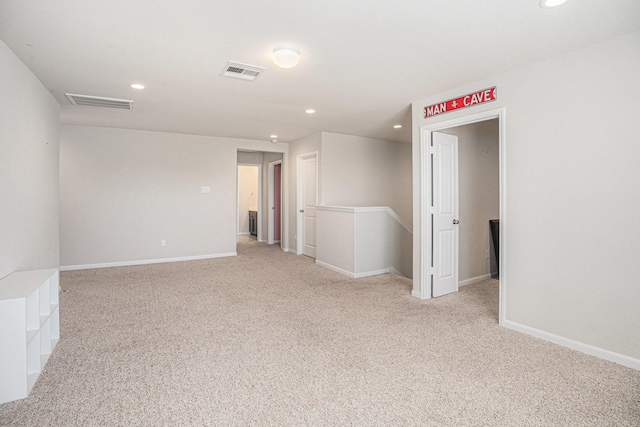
x=33 y=311
x=54 y=290
x=31 y=334
x=31 y=380
x=55 y=324
x=45 y=337
x=33 y=355
x=45 y=295
x=43 y=359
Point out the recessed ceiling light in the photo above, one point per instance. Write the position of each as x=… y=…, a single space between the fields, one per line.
x=397 y=126
x=137 y=86
x=547 y=4
x=286 y=56
x=310 y=111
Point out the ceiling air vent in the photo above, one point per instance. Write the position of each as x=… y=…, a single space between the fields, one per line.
x=99 y=101
x=242 y=71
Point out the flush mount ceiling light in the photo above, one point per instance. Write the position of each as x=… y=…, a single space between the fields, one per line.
x=547 y=4
x=136 y=86
x=286 y=56
x=310 y=111
x=397 y=126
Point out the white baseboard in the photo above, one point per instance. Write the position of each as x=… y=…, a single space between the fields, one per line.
x=144 y=261
x=336 y=269
x=371 y=273
x=244 y=233
x=359 y=275
x=474 y=280
x=392 y=270
x=620 y=359
x=417 y=294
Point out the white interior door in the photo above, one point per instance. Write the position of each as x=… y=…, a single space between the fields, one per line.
x=309 y=173
x=445 y=214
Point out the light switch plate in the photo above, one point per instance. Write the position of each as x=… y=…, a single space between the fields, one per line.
x=206 y=189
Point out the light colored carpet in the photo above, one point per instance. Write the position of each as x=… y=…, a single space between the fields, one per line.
x=268 y=338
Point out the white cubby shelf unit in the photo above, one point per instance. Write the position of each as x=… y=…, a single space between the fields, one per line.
x=29 y=329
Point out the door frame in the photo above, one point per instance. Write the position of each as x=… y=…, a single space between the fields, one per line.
x=259 y=167
x=299 y=216
x=270 y=201
x=426 y=194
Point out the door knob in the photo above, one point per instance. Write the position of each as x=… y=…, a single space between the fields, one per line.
x=456 y=222
x=301 y=210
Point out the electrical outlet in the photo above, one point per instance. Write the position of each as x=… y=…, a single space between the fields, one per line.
x=486 y=254
x=163 y=242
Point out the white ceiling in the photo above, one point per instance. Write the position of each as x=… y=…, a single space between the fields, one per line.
x=362 y=62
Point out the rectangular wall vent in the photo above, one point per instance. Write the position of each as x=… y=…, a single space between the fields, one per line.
x=99 y=101
x=242 y=71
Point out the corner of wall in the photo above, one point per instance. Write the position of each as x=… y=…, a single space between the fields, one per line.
x=29 y=159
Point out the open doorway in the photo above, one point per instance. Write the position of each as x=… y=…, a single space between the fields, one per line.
x=248 y=202
x=478 y=199
x=432 y=264
x=261 y=218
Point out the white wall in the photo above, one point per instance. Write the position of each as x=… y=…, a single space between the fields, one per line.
x=572 y=155
x=29 y=159
x=355 y=171
x=479 y=194
x=250 y=158
x=247 y=195
x=359 y=171
x=336 y=239
x=382 y=243
x=121 y=191
x=363 y=241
